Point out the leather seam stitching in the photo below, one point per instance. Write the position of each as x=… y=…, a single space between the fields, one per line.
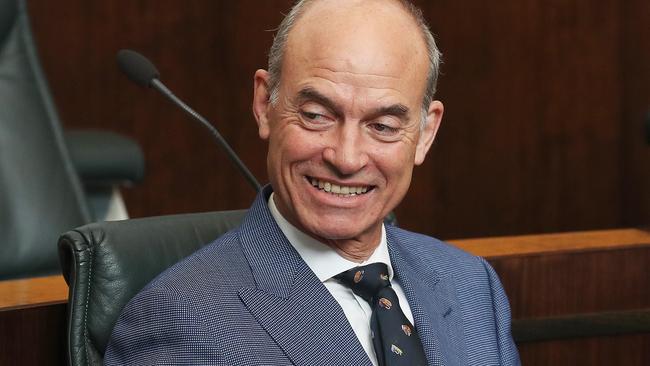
x=90 y=275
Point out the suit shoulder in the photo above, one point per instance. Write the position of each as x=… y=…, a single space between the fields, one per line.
x=217 y=263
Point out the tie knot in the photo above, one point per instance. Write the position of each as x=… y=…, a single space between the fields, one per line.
x=366 y=281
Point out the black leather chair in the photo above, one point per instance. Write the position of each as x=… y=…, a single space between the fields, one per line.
x=106 y=264
x=41 y=194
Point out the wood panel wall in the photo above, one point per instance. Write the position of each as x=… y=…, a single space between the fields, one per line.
x=542 y=130
x=571 y=275
x=592 y=282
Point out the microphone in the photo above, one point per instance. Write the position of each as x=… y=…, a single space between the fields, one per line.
x=142 y=72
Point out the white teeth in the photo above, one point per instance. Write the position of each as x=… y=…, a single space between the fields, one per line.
x=343 y=191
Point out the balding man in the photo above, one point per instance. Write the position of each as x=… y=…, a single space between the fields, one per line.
x=313 y=276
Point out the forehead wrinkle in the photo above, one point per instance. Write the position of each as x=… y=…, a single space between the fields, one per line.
x=359 y=74
x=367 y=79
x=354 y=85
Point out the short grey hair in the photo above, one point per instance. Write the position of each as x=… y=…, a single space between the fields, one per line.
x=276 y=53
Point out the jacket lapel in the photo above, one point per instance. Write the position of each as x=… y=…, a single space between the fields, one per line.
x=289 y=301
x=434 y=305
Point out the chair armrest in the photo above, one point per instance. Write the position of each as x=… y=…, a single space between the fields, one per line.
x=103 y=158
x=107 y=263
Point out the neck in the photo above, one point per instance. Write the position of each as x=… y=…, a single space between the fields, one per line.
x=353 y=250
x=356 y=249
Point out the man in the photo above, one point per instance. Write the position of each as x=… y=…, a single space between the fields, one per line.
x=347 y=108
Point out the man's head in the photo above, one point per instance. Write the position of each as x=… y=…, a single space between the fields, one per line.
x=347 y=108
x=276 y=52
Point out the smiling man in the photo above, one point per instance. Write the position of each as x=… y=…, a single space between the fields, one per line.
x=313 y=276
x=345 y=120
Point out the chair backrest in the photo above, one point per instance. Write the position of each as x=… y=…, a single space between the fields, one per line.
x=40 y=193
x=107 y=263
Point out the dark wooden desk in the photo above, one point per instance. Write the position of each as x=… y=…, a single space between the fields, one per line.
x=579 y=298
x=33 y=321
x=547 y=277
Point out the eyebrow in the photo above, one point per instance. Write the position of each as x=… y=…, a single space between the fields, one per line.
x=398 y=110
x=310 y=94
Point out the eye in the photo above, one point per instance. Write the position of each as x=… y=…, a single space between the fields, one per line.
x=313 y=120
x=311 y=115
x=384 y=129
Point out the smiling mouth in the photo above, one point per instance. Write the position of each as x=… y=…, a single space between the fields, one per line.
x=338 y=190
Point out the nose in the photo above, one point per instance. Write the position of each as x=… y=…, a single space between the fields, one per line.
x=346 y=153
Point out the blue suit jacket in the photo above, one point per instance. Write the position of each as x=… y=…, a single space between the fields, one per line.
x=250 y=299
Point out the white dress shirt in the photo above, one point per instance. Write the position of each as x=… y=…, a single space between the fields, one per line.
x=326 y=263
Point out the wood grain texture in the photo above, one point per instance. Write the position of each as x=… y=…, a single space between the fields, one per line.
x=560 y=282
x=572 y=283
x=622 y=350
x=540 y=133
x=33 y=336
x=531 y=136
x=574 y=242
x=635 y=103
x=587 y=325
x=32 y=292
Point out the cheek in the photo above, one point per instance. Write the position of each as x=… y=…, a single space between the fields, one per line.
x=396 y=166
x=292 y=146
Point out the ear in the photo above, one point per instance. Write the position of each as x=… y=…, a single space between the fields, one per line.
x=261 y=102
x=428 y=133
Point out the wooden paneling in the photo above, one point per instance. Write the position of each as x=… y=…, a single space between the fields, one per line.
x=530 y=136
x=495 y=248
x=576 y=282
x=621 y=350
x=540 y=134
x=31 y=292
x=567 y=274
x=635 y=103
x=33 y=321
x=33 y=335
x=563 y=282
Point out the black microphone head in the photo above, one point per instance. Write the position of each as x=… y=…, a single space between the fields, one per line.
x=137 y=67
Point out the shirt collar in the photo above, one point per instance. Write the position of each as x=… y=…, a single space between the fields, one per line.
x=324 y=261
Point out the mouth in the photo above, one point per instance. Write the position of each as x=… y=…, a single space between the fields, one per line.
x=338 y=189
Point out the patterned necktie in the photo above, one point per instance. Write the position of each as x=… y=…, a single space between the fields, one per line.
x=395 y=340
